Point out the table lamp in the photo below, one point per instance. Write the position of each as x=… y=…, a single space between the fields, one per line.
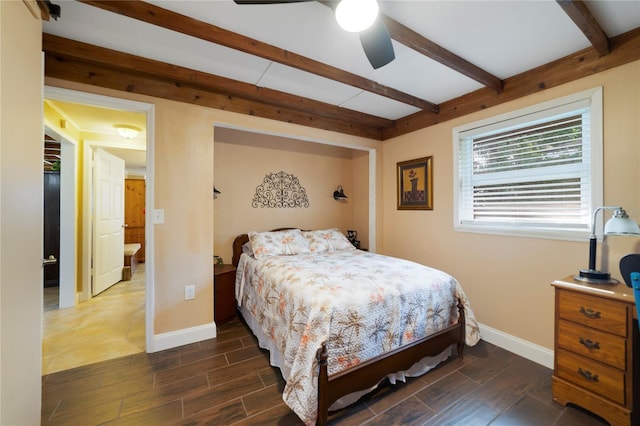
x=619 y=224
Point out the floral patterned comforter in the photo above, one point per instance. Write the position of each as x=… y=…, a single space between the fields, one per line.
x=362 y=304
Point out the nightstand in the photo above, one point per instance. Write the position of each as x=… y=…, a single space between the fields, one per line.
x=596 y=362
x=224 y=294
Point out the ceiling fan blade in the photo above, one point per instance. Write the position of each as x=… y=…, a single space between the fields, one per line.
x=268 y=1
x=376 y=43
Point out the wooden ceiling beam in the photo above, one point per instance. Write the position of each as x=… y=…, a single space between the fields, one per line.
x=584 y=19
x=55 y=45
x=420 y=44
x=71 y=69
x=625 y=48
x=186 y=25
x=119 y=71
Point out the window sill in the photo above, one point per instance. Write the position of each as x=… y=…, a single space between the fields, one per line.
x=549 y=234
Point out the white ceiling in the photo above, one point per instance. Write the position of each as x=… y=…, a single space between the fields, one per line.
x=502 y=37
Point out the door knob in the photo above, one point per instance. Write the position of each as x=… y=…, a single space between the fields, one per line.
x=51 y=260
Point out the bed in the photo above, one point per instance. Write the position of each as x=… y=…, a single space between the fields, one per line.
x=337 y=320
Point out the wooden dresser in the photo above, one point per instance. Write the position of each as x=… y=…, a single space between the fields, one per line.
x=596 y=362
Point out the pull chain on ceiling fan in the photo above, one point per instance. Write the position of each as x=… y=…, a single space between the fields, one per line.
x=359 y=16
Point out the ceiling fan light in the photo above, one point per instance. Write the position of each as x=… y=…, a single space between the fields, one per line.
x=356 y=15
x=127 y=131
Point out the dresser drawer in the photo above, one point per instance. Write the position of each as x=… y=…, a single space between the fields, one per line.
x=591 y=311
x=596 y=377
x=591 y=343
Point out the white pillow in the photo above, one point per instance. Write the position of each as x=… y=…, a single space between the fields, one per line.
x=327 y=240
x=278 y=243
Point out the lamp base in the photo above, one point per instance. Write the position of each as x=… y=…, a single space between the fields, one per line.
x=592 y=274
x=596 y=277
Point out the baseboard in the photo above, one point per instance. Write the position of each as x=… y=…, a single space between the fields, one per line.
x=185 y=336
x=518 y=346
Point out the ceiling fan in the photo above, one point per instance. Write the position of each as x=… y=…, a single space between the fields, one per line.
x=374 y=38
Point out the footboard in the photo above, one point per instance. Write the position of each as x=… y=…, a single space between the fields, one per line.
x=369 y=373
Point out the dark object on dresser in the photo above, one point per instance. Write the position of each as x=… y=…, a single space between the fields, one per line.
x=628 y=264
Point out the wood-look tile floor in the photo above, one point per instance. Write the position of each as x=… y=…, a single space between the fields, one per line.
x=109 y=325
x=228 y=381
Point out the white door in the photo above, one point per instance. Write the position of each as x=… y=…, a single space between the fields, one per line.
x=108 y=208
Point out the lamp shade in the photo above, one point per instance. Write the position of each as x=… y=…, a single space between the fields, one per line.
x=356 y=15
x=621 y=224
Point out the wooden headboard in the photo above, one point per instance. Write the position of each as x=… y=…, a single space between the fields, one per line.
x=239 y=241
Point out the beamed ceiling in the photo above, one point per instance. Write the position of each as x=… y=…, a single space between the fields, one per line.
x=291 y=62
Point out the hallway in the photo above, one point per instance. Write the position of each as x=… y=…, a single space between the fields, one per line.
x=108 y=326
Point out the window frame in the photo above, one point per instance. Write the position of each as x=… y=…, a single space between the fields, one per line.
x=595 y=104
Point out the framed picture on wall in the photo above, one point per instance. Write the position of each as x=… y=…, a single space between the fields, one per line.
x=415 y=184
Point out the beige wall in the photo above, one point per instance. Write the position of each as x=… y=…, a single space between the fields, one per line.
x=358 y=194
x=242 y=159
x=184 y=176
x=21 y=158
x=507 y=278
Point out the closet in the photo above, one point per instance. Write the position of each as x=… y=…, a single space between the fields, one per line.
x=51 y=227
x=51 y=211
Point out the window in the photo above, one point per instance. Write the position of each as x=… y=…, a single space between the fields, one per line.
x=533 y=172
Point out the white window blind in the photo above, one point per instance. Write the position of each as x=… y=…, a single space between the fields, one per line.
x=530 y=173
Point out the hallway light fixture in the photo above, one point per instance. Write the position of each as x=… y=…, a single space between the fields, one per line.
x=356 y=15
x=619 y=224
x=127 y=131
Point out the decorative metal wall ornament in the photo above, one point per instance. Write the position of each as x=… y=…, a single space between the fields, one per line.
x=280 y=189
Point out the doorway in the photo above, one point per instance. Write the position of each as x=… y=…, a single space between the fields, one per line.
x=60 y=232
x=51 y=212
x=83 y=255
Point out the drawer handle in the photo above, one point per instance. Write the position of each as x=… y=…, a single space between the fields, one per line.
x=589 y=313
x=588 y=375
x=589 y=344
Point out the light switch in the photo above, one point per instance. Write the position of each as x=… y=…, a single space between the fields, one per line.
x=158 y=216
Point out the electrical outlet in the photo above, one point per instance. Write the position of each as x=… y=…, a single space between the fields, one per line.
x=189 y=292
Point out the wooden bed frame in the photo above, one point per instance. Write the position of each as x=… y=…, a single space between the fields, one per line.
x=369 y=373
